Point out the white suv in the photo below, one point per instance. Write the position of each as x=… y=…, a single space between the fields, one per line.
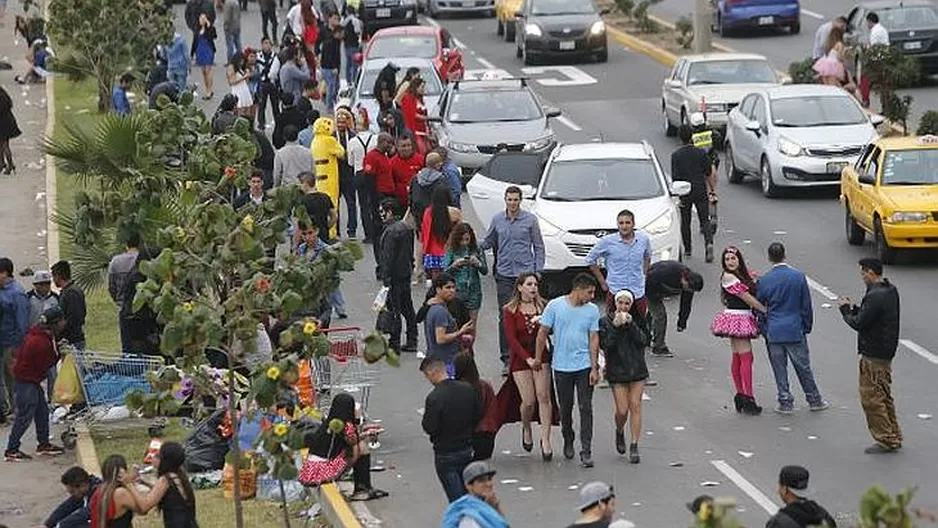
x=576 y=193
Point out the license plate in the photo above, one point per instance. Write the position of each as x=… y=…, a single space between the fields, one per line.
x=912 y=45
x=383 y=13
x=567 y=44
x=469 y=3
x=834 y=167
x=766 y=21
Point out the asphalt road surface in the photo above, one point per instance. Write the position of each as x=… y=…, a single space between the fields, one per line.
x=692 y=434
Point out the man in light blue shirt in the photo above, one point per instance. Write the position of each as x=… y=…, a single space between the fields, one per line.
x=574 y=320
x=626 y=255
x=822 y=33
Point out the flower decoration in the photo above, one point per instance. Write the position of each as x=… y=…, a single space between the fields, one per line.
x=188 y=306
x=281 y=429
x=336 y=426
x=248 y=223
x=310 y=327
x=231 y=173
x=273 y=373
x=310 y=412
x=186 y=388
x=180 y=233
x=262 y=285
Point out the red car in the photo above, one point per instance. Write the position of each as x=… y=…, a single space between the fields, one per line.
x=423 y=42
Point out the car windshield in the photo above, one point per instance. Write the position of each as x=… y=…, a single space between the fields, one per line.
x=909 y=17
x=563 y=7
x=911 y=167
x=485 y=106
x=830 y=110
x=730 y=72
x=602 y=179
x=414 y=46
x=433 y=86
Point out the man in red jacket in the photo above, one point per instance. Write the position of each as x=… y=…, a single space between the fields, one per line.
x=33 y=361
x=404 y=166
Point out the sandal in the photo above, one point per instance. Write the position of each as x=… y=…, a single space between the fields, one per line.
x=368 y=495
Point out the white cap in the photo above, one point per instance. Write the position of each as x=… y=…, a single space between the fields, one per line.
x=697 y=119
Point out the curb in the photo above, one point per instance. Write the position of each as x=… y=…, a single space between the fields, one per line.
x=85 y=451
x=52 y=229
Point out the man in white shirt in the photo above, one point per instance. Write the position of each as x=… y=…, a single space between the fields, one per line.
x=878 y=36
x=820 y=37
x=361 y=144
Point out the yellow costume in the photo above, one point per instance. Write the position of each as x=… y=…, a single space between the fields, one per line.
x=326 y=151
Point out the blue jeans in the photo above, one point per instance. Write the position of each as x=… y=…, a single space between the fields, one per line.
x=779 y=354
x=31 y=406
x=332 y=87
x=232 y=43
x=449 y=468
x=351 y=67
x=179 y=78
x=337 y=301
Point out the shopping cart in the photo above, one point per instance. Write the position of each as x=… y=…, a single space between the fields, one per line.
x=343 y=369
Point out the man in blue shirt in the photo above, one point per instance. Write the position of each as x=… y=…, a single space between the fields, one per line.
x=515 y=238
x=574 y=321
x=439 y=325
x=119 y=101
x=452 y=174
x=626 y=255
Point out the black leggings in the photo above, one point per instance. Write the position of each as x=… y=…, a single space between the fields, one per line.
x=6 y=155
x=483 y=444
x=361 y=473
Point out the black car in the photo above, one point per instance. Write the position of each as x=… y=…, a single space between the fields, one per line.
x=377 y=14
x=912 y=27
x=560 y=28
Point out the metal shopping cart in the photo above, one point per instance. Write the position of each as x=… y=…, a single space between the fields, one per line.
x=343 y=369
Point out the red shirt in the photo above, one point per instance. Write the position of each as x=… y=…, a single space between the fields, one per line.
x=403 y=171
x=36 y=356
x=411 y=107
x=378 y=165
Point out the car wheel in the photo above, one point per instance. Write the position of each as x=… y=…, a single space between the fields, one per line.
x=669 y=129
x=769 y=189
x=525 y=56
x=518 y=53
x=796 y=28
x=509 y=32
x=855 y=234
x=499 y=27
x=881 y=245
x=733 y=175
x=603 y=56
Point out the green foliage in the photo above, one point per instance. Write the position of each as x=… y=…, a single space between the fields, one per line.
x=888 y=70
x=640 y=13
x=160 y=400
x=879 y=508
x=625 y=7
x=105 y=38
x=685 y=32
x=896 y=108
x=928 y=124
x=802 y=72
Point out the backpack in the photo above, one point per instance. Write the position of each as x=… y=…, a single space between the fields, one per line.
x=420 y=199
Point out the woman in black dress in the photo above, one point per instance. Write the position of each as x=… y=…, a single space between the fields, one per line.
x=8 y=130
x=172 y=491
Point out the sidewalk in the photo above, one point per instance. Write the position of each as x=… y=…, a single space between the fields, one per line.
x=30 y=490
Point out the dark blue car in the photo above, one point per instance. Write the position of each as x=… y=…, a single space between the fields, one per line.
x=731 y=15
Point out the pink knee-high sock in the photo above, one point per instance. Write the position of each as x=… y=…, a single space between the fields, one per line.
x=745 y=372
x=737 y=376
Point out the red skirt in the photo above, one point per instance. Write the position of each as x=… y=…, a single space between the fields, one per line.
x=507 y=407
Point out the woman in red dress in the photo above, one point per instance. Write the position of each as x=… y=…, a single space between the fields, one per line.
x=415 y=113
x=310 y=34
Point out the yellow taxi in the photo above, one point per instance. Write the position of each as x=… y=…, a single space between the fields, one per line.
x=892 y=193
x=505 y=17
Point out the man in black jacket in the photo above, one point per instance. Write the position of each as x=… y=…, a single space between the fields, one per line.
x=668 y=278
x=798 y=512
x=395 y=267
x=876 y=321
x=72 y=302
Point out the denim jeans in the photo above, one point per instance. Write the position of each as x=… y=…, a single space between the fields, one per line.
x=504 y=290
x=351 y=67
x=337 y=301
x=179 y=78
x=232 y=42
x=332 y=87
x=779 y=354
x=449 y=467
x=6 y=380
x=567 y=384
x=30 y=406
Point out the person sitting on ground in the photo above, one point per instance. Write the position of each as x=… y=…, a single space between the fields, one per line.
x=37 y=57
x=332 y=453
x=798 y=511
x=167 y=88
x=73 y=512
x=172 y=491
x=112 y=505
x=597 y=506
x=479 y=507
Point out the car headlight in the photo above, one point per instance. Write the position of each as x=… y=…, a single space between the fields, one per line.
x=908 y=217
x=660 y=225
x=789 y=148
x=539 y=144
x=465 y=148
x=548 y=229
x=598 y=28
x=533 y=30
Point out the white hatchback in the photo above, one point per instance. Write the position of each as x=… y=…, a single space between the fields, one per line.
x=576 y=193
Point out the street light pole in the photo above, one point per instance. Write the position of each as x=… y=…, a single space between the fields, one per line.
x=702 y=19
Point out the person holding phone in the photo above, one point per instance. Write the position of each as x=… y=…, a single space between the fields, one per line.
x=440 y=327
x=466 y=263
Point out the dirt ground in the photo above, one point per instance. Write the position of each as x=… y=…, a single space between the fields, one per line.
x=28 y=490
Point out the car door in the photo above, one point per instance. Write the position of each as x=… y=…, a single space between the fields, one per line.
x=760 y=114
x=736 y=127
x=866 y=194
x=487 y=187
x=857 y=30
x=670 y=92
x=747 y=149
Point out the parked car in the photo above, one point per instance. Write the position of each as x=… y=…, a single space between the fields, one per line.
x=576 y=193
x=423 y=42
x=796 y=136
x=505 y=14
x=363 y=95
x=892 y=194
x=560 y=28
x=435 y=8
x=912 y=26
x=712 y=82
x=732 y=15
x=376 y=14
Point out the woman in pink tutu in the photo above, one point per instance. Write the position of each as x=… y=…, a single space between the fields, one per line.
x=830 y=68
x=738 y=323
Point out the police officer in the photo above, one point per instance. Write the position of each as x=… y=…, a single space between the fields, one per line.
x=708 y=140
x=694 y=165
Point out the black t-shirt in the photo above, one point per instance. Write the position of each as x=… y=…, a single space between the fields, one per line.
x=602 y=523
x=318 y=206
x=691 y=164
x=330 y=49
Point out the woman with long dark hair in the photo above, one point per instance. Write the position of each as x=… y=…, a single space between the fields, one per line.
x=483 y=438
x=9 y=129
x=239 y=73
x=466 y=263
x=415 y=112
x=112 y=505
x=172 y=492
x=438 y=221
x=332 y=451
x=737 y=322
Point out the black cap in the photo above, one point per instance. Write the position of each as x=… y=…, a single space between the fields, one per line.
x=872 y=264
x=52 y=315
x=694 y=506
x=796 y=479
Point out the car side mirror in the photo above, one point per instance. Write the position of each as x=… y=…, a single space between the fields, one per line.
x=357 y=58
x=519 y=14
x=754 y=126
x=434 y=119
x=673 y=83
x=680 y=188
x=527 y=192
x=784 y=79
x=552 y=112
x=866 y=178
x=877 y=119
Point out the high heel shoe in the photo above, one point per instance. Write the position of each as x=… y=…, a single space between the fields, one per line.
x=546 y=456
x=527 y=446
x=740 y=402
x=9 y=169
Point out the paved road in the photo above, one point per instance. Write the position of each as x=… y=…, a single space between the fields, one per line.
x=783 y=48
x=687 y=418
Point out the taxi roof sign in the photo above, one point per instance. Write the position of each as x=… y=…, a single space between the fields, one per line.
x=928 y=140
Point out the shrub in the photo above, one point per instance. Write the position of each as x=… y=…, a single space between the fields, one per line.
x=802 y=72
x=685 y=30
x=928 y=125
x=626 y=7
x=640 y=13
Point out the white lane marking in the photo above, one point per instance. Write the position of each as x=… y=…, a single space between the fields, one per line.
x=747 y=487
x=485 y=63
x=565 y=121
x=820 y=288
x=812 y=14
x=569 y=76
x=920 y=350
x=493 y=71
x=459 y=43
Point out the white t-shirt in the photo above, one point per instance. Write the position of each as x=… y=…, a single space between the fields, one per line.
x=879 y=35
x=359 y=145
x=295 y=19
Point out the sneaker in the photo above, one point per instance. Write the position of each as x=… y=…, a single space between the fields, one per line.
x=709 y=254
x=586 y=460
x=662 y=352
x=421 y=354
x=634 y=456
x=880 y=449
x=16 y=456
x=784 y=409
x=49 y=450
x=823 y=406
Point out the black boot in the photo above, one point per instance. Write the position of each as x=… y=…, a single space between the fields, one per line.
x=750 y=407
x=740 y=402
x=634 y=457
x=620 y=441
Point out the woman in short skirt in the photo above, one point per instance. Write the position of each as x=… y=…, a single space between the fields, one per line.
x=738 y=323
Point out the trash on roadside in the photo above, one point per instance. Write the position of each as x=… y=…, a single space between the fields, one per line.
x=206 y=479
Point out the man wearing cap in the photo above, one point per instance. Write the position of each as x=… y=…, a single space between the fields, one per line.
x=41 y=298
x=35 y=358
x=14 y=322
x=597 y=506
x=798 y=511
x=876 y=321
x=479 y=508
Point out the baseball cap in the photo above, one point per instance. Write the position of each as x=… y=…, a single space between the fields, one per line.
x=42 y=276
x=594 y=493
x=795 y=478
x=52 y=315
x=695 y=505
x=475 y=470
